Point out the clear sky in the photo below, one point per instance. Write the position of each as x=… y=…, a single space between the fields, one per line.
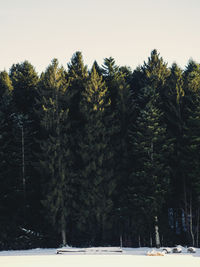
x=40 y=30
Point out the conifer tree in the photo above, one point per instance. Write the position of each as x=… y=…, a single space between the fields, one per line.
x=25 y=80
x=77 y=76
x=97 y=67
x=155 y=70
x=111 y=73
x=6 y=87
x=98 y=182
x=150 y=175
x=117 y=80
x=190 y=150
x=173 y=113
x=9 y=197
x=55 y=157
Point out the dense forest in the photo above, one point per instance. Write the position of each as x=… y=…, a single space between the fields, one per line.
x=100 y=156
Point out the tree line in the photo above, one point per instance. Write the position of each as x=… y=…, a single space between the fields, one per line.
x=98 y=156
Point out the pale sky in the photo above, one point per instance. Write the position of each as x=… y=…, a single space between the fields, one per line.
x=40 y=30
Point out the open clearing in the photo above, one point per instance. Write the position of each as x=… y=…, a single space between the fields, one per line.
x=128 y=258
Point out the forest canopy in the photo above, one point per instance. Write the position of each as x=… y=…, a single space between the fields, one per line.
x=94 y=156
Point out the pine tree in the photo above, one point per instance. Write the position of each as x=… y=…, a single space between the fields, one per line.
x=155 y=71
x=173 y=113
x=150 y=174
x=24 y=80
x=181 y=107
x=77 y=76
x=111 y=73
x=9 y=189
x=55 y=156
x=98 y=182
x=6 y=87
x=117 y=80
x=97 y=67
x=191 y=151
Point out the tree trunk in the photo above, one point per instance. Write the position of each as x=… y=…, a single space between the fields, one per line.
x=23 y=173
x=23 y=165
x=157 y=236
x=64 y=242
x=185 y=206
x=197 y=238
x=190 y=223
x=162 y=241
x=63 y=231
x=139 y=241
x=151 y=242
x=121 y=242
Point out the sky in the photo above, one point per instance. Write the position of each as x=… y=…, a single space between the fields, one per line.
x=127 y=30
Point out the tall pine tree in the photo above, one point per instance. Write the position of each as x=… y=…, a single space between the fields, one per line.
x=55 y=146
x=97 y=174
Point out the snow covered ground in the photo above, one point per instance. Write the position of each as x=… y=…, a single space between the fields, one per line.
x=129 y=257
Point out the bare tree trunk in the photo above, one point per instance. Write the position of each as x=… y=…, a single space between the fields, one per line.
x=23 y=172
x=162 y=241
x=197 y=239
x=63 y=231
x=64 y=237
x=23 y=165
x=190 y=222
x=139 y=241
x=185 y=207
x=151 y=242
x=121 y=242
x=157 y=236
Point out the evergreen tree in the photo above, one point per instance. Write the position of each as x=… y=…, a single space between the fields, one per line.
x=98 y=183
x=77 y=76
x=173 y=107
x=55 y=157
x=117 y=80
x=97 y=67
x=155 y=71
x=150 y=174
x=191 y=151
x=24 y=80
x=6 y=87
x=9 y=189
x=110 y=73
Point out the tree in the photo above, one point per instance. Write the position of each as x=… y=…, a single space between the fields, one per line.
x=191 y=150
x=150 y=174
x=9 y=185
x=24 y=80
x=155 y=71
x=6 y=87
x=55 y=156
x=77 y=76
x=97 y=175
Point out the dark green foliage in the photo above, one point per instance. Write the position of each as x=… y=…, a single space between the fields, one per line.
x=24 y=80
x=98 y=156
x=5 y=84
x=55 y=156
x=98 y=184
x=150 y=149
x=77 y=76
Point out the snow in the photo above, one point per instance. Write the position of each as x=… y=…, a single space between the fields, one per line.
x=98 y=257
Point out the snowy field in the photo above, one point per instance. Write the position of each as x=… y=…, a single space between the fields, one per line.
x=129 y=257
